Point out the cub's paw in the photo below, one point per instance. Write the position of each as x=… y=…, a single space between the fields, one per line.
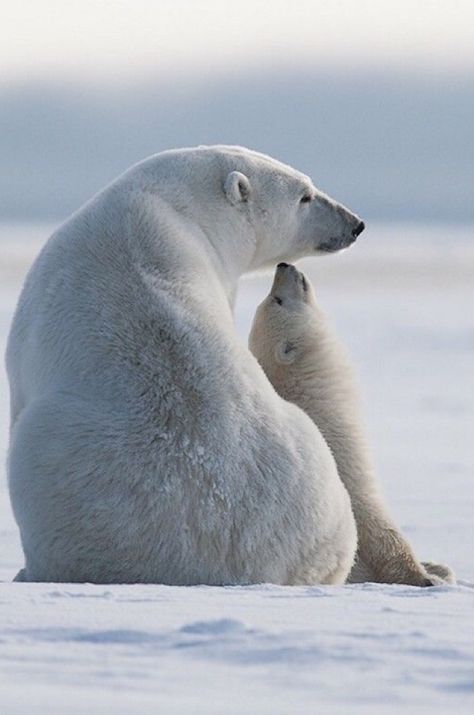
x=438 y=573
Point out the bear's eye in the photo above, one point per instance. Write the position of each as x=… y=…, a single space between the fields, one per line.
x=277 y=300
x=306 y=199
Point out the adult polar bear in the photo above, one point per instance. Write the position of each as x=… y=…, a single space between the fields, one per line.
x=147 y=445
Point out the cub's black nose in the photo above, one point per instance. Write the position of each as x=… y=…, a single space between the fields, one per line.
x=283 y=265
x=358 y=229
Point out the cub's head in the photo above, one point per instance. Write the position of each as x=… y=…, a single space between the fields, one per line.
x=283 y=329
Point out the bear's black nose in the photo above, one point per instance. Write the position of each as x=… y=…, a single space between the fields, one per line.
x=358 y=229
x=283 y=265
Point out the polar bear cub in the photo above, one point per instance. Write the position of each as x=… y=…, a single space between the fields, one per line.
x=307 y=366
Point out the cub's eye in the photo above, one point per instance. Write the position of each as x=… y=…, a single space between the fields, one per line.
x=306 y=199
x=277 y=300
x=304 y=283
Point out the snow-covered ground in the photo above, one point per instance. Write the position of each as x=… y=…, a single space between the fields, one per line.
x=402 y=300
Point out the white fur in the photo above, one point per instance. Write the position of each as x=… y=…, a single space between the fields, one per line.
x=307 y=366
x=146 y=442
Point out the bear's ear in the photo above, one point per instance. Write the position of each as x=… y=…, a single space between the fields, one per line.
x=237 y=187
x=285 y=353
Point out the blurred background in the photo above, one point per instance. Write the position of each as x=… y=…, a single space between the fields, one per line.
x=374 y=99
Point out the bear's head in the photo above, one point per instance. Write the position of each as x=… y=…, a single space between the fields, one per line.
x=284 y=328
x=254 y=210
x=290 y=217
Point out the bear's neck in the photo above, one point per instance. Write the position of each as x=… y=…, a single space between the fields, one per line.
x=231 y=257
x=190 y=252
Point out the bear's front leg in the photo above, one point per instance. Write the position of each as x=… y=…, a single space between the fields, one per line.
x=440 y=571
x=384 y=556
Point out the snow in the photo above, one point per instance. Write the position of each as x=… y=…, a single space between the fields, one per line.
x=401 y=300
x=261 y=649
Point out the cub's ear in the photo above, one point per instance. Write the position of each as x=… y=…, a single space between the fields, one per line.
x=285 y=353
x=237 y=187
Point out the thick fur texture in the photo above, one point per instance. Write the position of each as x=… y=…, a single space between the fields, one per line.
x=307 y=366
x=147 y=444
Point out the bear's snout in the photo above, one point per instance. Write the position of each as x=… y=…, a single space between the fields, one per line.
x=358 y=229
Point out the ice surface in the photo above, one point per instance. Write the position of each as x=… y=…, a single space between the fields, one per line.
x=402 y=301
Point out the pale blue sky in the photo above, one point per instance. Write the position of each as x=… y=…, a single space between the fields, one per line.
x=374 y=99
x=116 y=39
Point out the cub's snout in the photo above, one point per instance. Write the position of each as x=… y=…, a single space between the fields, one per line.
x=289 y=283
